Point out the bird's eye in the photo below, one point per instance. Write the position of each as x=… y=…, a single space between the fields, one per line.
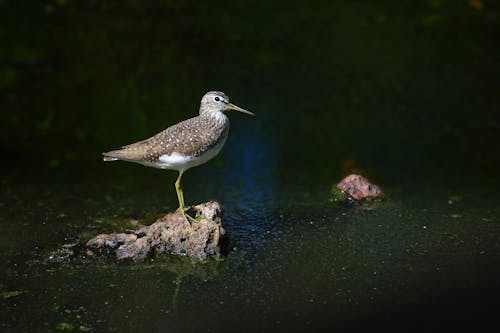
x=216 y=98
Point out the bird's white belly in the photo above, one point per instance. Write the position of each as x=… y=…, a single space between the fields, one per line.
x=181 y=162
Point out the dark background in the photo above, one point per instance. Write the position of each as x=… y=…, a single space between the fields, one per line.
x=79 y=77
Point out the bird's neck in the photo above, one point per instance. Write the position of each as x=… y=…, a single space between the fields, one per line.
x=217 y=117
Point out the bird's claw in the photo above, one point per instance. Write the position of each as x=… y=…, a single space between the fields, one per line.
x=188 y=218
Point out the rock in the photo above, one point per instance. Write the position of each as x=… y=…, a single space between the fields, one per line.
x=359 y=188
x=66 y=252
x=170 y=234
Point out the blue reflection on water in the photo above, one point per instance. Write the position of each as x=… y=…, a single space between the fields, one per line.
x=245 y=184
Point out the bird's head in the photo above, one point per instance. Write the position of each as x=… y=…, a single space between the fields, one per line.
x=216 y=101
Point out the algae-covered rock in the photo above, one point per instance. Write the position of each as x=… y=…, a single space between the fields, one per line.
x=357 y=188
x=170 y=234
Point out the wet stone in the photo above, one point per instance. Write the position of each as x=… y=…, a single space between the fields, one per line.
x=171 y=234
x=359 y=188
x=66 y=252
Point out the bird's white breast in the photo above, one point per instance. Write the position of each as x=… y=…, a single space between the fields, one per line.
x=181 y=162
x=173 y=160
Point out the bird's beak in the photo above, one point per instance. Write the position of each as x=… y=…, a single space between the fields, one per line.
x=231 y=106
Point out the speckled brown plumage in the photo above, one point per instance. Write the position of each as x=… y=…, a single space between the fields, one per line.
x=191 y=137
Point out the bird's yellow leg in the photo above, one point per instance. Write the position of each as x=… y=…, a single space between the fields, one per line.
x=180 y=197
x=178 y=189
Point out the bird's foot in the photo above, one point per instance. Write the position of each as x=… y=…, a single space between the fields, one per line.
x=188 y=218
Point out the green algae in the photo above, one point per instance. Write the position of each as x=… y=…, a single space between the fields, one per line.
x=12 y=293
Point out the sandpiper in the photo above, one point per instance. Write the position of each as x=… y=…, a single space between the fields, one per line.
x=186 y=144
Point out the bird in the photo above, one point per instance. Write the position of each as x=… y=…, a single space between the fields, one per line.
x=184 y=145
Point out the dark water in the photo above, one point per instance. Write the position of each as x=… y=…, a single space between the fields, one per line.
x=404 y=93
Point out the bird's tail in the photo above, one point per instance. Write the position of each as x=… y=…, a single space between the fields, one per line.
x=110 y=156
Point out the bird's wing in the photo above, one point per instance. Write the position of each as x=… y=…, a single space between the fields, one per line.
x=133 y=152
x=185 y=138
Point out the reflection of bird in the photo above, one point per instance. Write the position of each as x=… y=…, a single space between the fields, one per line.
x=184 y=145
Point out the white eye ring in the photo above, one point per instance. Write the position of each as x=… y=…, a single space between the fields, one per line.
x=217 y=99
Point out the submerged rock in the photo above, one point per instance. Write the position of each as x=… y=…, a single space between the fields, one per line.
x=170 y=234
x=358 y=188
